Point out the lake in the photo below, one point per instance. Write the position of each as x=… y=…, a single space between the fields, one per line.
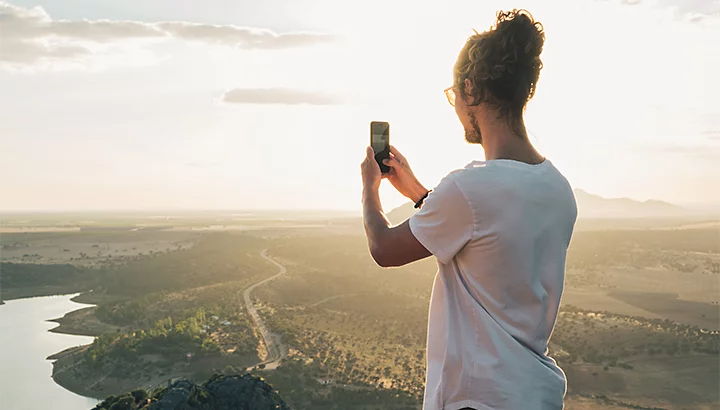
x=25 y=343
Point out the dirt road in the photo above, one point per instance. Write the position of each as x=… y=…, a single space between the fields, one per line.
x=276 y=350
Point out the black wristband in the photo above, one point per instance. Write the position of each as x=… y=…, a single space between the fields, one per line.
x=419 y=203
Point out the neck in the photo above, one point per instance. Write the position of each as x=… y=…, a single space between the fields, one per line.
x=500 y=141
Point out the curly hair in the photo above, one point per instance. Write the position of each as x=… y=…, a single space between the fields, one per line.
x=503 y=64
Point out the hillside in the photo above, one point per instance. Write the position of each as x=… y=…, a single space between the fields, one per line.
x=401 y=213
x=594 y=206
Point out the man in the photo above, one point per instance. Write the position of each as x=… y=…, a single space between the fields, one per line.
x=499 y=229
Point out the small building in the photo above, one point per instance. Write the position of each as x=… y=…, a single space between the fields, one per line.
x=325 y=380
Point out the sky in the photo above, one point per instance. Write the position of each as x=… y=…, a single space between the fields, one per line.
x=235 y=104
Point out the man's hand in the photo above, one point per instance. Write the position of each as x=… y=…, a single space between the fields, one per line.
x=370 y=171
x=402 y=177
x=389 y=246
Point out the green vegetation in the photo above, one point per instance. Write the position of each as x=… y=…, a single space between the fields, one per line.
x=356 y=332
x=193 y=345
x=607 y=338
x=173 y=341
x=18 y=280
x=298 y=384
x=128 y=312
x=357 y=350
x=217 y=258
x=683 y=250
x=29 y=275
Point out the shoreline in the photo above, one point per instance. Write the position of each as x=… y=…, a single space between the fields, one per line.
x=82 y=322
x=73 y=322
x=66 y=370
x=66 y=364
x=78 y=322
x=101 y=384
x=39 y=292
x=66 y=352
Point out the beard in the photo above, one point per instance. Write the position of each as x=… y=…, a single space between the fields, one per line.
x=473 y=135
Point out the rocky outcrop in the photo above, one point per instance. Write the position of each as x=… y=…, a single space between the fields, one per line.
x=244 y=392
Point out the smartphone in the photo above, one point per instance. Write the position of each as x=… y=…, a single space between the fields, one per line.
x=380 y=143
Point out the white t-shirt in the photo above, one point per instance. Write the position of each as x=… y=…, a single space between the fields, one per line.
x=500 y=231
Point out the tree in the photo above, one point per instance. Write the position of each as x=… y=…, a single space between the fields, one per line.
x=125 y=403
x=139 y=395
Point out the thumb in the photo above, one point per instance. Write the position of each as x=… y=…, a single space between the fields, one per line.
x=370 y=152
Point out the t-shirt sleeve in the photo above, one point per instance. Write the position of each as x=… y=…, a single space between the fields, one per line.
x=445 y=223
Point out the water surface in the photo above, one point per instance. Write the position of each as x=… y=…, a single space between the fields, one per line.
x=25 y=343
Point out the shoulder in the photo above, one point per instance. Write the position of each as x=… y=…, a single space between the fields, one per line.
x=454 y=183
x=475 y=176
x=447 y=196
x=446 y=221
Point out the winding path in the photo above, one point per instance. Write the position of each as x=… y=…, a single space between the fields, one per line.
x=276 y=350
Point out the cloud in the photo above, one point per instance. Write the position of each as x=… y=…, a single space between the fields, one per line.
x=693 y=8
x=278 y=96
x=29 y=35
x=241 y=36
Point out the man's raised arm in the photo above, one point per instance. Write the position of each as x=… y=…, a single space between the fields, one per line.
x=389 y=245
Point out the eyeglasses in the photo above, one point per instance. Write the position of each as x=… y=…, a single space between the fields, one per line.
x=450 y=94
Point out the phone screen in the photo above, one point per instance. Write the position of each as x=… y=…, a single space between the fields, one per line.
x=380 y=136
x=380 y=142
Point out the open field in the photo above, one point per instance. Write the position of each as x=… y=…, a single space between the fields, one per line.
x=89 y=248
x=602 y=224
x=95 y=239
x=665 y=382
x=690 y=298
x=667 y=305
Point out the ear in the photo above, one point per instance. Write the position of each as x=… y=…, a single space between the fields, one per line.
x=468 y=85
x=468 y=92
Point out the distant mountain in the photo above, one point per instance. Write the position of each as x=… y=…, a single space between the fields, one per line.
x=594 y=206
x=589 y=206
x=401 y=213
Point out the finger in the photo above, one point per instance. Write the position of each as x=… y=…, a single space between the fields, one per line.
x=392 y=163
x=401 y=160
x=396 y=153
x=369 y=152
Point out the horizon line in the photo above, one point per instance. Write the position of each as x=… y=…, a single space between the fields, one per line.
x=107 y=210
